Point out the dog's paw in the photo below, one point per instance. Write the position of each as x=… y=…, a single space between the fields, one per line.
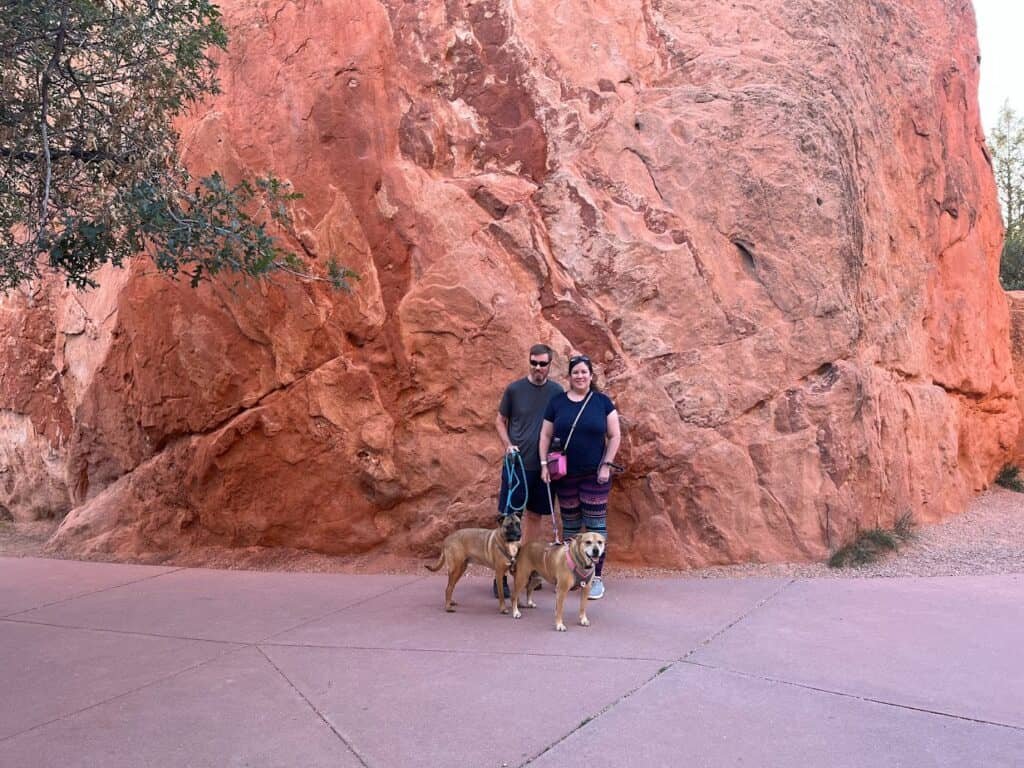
x=517 y=614
x=531 y=604
x=560 y=628
x=503 y=609
x=450 y=608
x=584 y=621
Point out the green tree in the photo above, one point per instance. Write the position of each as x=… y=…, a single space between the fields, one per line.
x=1011 y=263
x=1007 y=146
x=90 y=169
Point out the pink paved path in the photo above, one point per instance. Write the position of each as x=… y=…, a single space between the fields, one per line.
x=119 y=665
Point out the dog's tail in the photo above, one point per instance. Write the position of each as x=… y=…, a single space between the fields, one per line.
x=436 y=566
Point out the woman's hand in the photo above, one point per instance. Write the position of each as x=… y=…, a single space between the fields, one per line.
x=604 y=474
x=545 y=476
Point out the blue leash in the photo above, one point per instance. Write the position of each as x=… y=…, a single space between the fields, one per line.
x=515 y=474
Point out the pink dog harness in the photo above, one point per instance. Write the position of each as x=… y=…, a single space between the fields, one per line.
x=580 y=575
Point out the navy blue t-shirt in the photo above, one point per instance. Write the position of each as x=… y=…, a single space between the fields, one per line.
x=586 y=449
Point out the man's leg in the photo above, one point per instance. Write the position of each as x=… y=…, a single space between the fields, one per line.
x=503 y=498
x=533 y=527
x=506 y=501
x=539 y=519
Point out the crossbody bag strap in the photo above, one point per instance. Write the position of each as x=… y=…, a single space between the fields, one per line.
x=572 y=429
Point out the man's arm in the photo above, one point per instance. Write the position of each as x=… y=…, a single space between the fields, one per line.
x=501 y=424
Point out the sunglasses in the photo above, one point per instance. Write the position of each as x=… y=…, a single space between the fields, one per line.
x=540 y=363
x=578 y=359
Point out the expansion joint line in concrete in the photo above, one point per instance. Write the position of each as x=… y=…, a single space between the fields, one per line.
x=460 y=651
x=121 y=695
x=93 y=592
x=336 y=611
x=233 y=647
x=317 y=712
x=644 y=683
x=127 y=632
x=856 y=697
x=756 y=607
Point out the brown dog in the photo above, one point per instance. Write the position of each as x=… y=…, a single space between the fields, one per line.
x=563 y=565
x=495 y=548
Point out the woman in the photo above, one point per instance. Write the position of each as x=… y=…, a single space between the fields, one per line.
x=590 y=451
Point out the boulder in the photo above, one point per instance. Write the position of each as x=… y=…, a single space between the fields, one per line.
x=772 y=225
x=1016 y=299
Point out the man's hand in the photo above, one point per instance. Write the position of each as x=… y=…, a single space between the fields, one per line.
x=512 y=449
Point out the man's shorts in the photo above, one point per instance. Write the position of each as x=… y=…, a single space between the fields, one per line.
x=536 y=493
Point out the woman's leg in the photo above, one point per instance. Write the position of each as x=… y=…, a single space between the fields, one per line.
x=568 y=491
x=593 y=500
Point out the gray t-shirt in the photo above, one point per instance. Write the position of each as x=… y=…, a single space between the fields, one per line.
x=523 y=404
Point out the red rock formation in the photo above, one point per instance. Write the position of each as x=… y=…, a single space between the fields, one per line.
x=774 y=224
x=1016 y=299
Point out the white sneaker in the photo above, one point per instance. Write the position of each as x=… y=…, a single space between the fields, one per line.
x=596 y=589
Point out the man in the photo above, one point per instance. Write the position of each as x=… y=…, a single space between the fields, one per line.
x=520 y=415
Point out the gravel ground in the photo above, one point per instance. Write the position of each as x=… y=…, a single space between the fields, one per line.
x=24 y=539
x=987 y=539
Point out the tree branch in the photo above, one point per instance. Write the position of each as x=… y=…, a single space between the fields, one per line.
x=86 y=155
x=44 y=96
x=300 y=274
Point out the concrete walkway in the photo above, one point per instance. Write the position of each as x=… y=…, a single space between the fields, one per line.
x=119 y=665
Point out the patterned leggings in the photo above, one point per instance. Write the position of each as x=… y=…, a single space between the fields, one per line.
x=584 y=502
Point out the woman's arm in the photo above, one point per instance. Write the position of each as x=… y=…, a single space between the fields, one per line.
x=613 y=437
x=547 y=429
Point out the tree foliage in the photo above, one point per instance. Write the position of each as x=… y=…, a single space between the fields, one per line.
x=90 y=169
x=1007 y=146
x=1011 y=263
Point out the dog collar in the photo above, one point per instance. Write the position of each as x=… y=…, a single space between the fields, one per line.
x=580 y=575
x=508 y=555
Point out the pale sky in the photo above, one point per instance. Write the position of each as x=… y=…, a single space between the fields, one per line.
x=1000 y=30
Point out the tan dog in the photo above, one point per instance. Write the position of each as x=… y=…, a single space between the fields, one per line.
x=495 y=548
x=563 y=565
